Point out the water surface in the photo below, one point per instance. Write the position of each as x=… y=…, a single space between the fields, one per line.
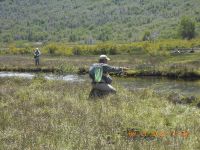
x=161 y=85
x=69 y=77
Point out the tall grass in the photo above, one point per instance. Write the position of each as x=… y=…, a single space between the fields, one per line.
x=42 y=114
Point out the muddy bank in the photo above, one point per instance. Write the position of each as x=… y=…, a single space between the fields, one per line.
x=171 y=75
x=38 y=69
x=137 y=73
x=187 y=100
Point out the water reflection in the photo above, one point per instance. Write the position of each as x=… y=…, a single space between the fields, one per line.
x=163 y=85
x=14 y=74
x=74 y=78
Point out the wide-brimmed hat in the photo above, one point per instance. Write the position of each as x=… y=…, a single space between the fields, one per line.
x=104 y=57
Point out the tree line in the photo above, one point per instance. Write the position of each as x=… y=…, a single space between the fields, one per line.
x=91 y=21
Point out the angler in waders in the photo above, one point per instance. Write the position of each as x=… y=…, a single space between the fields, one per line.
x=101 y=80
x=37 y=54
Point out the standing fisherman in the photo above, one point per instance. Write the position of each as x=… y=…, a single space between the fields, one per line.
x=37 y=54
x=101 y=80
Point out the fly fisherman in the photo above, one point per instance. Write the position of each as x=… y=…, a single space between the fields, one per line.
x=37 y=54
x=101 y=80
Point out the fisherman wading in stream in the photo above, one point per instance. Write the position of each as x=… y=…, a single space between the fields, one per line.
x=101 y=80
x=37 y=54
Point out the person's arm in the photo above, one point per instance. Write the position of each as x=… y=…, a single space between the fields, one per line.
x=107 y=69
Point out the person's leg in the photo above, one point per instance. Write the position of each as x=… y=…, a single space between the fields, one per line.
x=104 y=87
x=36 y=61
x=94 y=93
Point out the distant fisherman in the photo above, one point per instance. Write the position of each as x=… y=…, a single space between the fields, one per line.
x=101 y=80
x=37 y=54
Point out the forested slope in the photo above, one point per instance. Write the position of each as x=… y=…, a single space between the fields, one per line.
x=93 y=20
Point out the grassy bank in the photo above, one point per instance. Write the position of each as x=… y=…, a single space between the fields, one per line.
x=172 y=66
x=40 y=114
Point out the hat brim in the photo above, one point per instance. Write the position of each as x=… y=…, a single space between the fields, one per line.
x=107 y=58
x=104 y=57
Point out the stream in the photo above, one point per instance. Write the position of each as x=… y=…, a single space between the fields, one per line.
x=161 y=85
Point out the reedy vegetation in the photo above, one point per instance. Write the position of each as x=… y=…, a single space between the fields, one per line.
x=40 y=114
x=158 y=47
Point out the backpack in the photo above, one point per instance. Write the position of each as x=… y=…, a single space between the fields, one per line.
x=96 y=72
x=36 y=54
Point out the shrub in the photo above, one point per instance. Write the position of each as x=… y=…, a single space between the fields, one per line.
x=187 y=28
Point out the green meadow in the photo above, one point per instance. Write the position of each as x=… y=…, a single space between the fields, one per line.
x=157 y=102
x=40 y=114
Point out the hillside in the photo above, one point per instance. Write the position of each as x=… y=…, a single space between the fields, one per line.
x=88 y=21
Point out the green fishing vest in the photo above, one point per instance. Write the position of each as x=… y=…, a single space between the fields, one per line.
x=98 y=72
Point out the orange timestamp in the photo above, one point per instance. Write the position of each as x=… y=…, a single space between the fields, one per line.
x=132 y=133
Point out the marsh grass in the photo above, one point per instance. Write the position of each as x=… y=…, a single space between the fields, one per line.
x=41 y=114
x=180 y=66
